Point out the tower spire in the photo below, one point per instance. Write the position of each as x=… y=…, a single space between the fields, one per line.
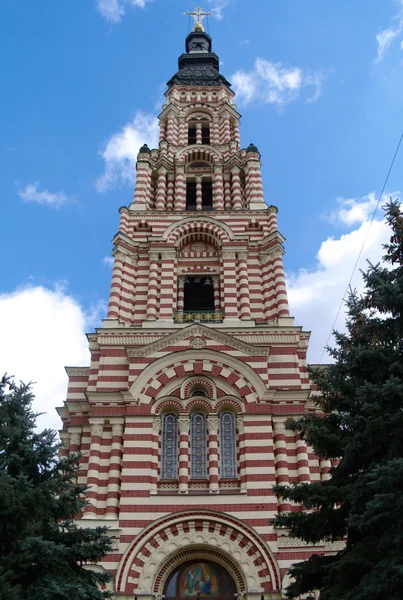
x=198 y=15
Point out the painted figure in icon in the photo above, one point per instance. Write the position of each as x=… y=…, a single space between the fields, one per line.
x=199 y=578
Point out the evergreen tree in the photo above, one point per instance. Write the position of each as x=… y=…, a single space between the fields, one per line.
x=43 y=554
x=359 y=424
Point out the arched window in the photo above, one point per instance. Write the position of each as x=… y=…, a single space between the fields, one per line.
x=198 y=392
x=169 y=450
x=198 y=446
x=228 y=467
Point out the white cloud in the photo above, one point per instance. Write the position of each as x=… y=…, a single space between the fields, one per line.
x=271 y=83
x=315 y=294
x=217 y=6
x=386 y=37
x=120 y=151
x=42 y=331
x=108 y=261
x=114 y=10
x=31 y=194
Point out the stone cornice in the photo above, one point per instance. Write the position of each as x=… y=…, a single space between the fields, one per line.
x=194 y=330
x=74 y=371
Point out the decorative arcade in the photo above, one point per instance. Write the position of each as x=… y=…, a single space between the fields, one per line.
x=180 y=416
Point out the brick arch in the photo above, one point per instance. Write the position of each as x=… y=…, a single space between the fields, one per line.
x=160 y=547
x=220 y=232
x=196 y=152
x=228 y=403
x=246 y=383
x=199 y=403
x=197 y=236
x=198 y=382
x=168 y=404
x=193 y=112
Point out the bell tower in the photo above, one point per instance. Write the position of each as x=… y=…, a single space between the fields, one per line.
x=198 y=243
x=180 y=417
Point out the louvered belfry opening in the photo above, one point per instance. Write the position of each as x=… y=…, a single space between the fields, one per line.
x=199 y=293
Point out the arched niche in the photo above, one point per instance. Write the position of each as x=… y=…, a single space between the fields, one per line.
x=200 y=577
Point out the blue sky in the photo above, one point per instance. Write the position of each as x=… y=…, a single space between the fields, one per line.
x=320 y=87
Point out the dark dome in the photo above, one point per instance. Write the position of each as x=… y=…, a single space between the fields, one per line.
x=252 y=148
x=144 y=149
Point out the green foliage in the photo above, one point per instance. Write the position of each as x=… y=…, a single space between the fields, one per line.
x=43 y=554
x=359 y=424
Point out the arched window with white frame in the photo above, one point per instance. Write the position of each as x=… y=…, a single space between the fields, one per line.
x=198 y=446
x=228 y=454
x=169 y=447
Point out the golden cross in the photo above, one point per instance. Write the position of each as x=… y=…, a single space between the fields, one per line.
x=198 y=15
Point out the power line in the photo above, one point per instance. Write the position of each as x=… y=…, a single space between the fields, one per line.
x=363 y=244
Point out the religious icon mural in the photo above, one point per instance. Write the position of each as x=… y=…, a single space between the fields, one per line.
x=198 y=579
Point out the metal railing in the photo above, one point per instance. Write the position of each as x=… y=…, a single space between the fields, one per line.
x=203 y=316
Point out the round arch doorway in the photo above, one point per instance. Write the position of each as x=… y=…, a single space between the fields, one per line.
x=200 y=579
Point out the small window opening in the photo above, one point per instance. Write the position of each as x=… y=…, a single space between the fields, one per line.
x=190 y=195
x=199 y=293
x=207 y=195
x=192 y=135
x=206 y=135
x=198 y=392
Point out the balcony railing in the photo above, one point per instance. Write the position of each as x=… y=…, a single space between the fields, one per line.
x=202 y=316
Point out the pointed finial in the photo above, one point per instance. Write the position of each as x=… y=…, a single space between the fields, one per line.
x=198 y=15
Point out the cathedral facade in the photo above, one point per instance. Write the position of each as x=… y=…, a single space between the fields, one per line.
x=180 y=417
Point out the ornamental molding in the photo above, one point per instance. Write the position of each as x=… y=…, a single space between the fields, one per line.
x=198 y=343
x=128 y=340
x=196 y=330
x=288 y=542
x=75 y=371
x=269 y=338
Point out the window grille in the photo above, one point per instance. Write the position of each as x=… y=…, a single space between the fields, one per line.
x=169 y=451
x=228 y=446
x=198 y=446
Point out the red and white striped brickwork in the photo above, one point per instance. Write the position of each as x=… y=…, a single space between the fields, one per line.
x=144 y=364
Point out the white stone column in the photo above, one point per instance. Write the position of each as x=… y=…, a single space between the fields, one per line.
x=227 y=191
x=183 y=455
x=218 y=188
x=230 y=291
x=115 y=466
x=116 y=285
x=242 y=454
x=216 y=287
x=180 y=188
x=199 y=132
x=212 y=424
x=279 y=282
x=236 y=189
x=90 y=510
x=199 y=193
x=161 y=189
x=281 y=462
x=156 y=458
x=143 y=177
x=243 y=279
x=166 y=290
x=302 y=461
x=181 y=293
x=153 y=287
x=268 y=292
x=170 y=191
